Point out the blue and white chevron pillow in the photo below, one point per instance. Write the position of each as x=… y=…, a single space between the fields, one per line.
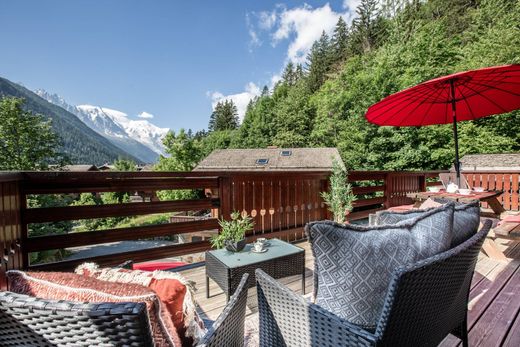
x=466 y=219
x=353 y=264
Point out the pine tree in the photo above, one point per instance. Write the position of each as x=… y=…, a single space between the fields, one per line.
x=224 y=116
x=289 y=74
x=299 y=72
x=366 y=27
x=318 y=62
x=339 y=41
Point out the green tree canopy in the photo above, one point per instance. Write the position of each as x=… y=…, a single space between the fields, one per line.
x=392 y=45
x=224 y=116
x=122 y=164
x=27 y=141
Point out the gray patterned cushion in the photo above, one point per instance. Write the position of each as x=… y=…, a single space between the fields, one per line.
x=353 y=263
x=466 y=219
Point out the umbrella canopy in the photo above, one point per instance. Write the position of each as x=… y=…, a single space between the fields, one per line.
x=458 y=97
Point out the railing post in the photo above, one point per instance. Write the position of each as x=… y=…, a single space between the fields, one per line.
x=10 y=226
x=422 y=183
x=24 y=232
x=225 y=197
x=388 y=190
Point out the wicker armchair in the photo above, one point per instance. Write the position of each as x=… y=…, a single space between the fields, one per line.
x=29 y=321
x=425 y=302
x=228 y=329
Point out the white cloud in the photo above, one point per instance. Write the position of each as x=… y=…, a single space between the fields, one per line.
x=304 y=25
x=274 y=79
x=301 y=26
x=240 y=99
x=145 y=115
x=351 y=4
x=254 y=40
x=266 y=19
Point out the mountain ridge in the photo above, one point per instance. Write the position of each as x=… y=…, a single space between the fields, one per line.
x=79 y=142
x=139 y=137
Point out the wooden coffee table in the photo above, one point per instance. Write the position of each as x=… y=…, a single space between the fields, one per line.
x=226 y=268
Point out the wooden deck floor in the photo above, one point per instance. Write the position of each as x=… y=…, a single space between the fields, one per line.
x=494 y=308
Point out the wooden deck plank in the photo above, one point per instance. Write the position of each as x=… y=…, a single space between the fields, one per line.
x=488 y=272
x=493 y=325
x=513 y=338
x=493 y=318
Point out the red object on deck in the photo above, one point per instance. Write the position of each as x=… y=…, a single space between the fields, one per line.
x=152 y=266
x=476 y=94
x=401 y=208
x=510 y=219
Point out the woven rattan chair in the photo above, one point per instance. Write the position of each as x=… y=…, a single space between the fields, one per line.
x=425 y=302
x=228 y=329
x=29 y=321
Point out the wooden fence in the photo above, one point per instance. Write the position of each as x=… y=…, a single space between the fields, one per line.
x=281 y=203
x=506 y=181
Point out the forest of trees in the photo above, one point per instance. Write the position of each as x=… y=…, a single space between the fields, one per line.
x=391 y=45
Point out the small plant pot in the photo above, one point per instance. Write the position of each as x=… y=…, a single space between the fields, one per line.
x=233 y=246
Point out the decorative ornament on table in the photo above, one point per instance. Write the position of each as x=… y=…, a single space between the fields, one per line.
x=452 y=188
x=232 y=232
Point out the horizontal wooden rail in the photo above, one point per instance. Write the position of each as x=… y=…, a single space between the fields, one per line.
x=54 y=214
x=364 y=213
x=367 y=190
x=52 y=176
x=280 y=203
x=369 y=202
x=137 y=256
x=152 y=253
x=145 y=184
x=35 y=244
x=356 y=176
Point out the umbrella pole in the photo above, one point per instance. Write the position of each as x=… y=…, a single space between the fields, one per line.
x=455 y=132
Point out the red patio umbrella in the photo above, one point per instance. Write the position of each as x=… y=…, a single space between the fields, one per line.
x=450 y=99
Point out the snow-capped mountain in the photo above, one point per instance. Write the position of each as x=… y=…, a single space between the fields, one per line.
x=137 y=136
x=117 y=123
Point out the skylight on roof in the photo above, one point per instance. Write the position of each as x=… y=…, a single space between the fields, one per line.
x=262 y=161
x=285 y=153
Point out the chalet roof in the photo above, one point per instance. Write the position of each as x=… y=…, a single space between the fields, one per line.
x=299 y=159
x=80 y=168
x=147 y=167
x=491 y=162
x=106 y=167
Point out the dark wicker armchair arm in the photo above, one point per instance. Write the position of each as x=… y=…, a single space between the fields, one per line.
x=228 y=329
x=434 y=290
x=287 y=319
x=29 y=321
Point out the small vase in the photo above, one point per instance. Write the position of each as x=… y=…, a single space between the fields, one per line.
x=233 y=246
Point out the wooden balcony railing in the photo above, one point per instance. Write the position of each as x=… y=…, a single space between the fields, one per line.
x=281 y=203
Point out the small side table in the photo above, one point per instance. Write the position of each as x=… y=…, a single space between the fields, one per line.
x=226 y=268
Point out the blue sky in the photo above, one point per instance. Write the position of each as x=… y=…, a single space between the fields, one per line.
x=170 y=59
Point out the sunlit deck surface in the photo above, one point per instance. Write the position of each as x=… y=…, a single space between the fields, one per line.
x=494 y=308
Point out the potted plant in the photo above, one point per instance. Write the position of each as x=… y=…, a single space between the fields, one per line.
x=340 y=197
x=232 y=232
